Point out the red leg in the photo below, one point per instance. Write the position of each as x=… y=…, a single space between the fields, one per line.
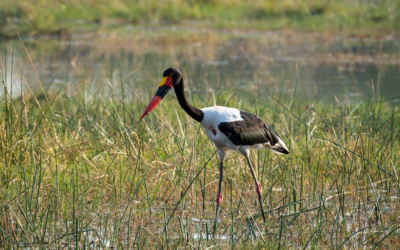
x=258 y=184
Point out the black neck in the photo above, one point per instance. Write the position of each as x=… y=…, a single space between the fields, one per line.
x=193 y=112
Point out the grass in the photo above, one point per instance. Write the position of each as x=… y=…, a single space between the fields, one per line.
x=349 y=17
x=78 y=169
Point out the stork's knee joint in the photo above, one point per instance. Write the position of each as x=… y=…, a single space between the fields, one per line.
x=259 y=189
x=219 y=199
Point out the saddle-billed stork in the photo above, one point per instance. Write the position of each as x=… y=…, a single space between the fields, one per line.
x=229 y=129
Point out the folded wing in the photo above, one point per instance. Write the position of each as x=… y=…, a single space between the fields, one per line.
x=251 y=131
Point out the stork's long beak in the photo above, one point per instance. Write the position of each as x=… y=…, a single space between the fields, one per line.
x=165 y=85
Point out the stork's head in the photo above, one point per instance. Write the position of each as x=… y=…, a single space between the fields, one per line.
x=170 y=78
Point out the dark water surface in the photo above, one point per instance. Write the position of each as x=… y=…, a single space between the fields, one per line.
x=329 y=69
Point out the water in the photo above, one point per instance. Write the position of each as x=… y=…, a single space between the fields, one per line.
x=329 y=69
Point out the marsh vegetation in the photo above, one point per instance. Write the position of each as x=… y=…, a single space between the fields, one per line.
x=78 y=168
x=349 y=16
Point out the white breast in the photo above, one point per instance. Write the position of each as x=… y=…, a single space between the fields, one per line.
x=213 y=116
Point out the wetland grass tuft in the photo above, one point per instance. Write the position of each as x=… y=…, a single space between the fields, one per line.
x=80 y=170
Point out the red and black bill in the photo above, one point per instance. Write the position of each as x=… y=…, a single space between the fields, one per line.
x=164 y=87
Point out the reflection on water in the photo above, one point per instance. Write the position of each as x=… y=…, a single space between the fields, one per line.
x=328 y=69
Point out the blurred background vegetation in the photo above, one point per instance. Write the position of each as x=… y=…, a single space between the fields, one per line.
x=358 y=17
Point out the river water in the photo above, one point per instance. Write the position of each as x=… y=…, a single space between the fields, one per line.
x=320 y=68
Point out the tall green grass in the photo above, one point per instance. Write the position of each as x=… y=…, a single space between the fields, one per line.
x=354 y=17
x=79 y=170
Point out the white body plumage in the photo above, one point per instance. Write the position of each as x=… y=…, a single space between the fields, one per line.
x=214 y=116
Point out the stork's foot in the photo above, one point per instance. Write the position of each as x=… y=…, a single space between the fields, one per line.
x=212 y=230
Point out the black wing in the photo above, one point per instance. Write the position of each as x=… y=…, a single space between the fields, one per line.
x=248 y=132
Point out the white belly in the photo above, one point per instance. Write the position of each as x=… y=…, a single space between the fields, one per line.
x=213 y=116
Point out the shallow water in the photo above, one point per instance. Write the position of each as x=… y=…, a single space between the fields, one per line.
x=329 y=69
x=100 y=229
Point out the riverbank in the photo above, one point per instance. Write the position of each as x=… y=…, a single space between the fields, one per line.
x=333 y=17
